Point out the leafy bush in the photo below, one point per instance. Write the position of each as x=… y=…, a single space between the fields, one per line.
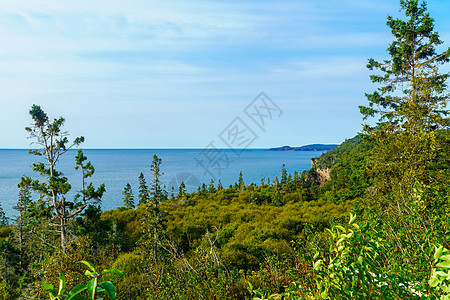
x=92 y=288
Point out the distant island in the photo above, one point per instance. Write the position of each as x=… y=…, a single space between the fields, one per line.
x=312 y=147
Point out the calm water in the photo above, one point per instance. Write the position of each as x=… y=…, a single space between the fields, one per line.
x=116 y=168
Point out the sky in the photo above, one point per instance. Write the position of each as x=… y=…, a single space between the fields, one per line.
x=183 y=74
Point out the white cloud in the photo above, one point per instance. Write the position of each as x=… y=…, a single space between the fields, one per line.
x=193 y=62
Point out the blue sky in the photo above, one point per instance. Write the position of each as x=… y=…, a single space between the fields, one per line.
x=175 y=74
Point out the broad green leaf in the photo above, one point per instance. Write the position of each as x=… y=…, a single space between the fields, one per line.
x=318 y=264
x=445 y=257
x=438 y=252
x=109 y=289
x=89 y=265
x=91 y=288
x=90 y=274
x=340 y=228
x=352 y=219
x=47 y=286
x=76 y=290
x=444 y=264
x=250 y=286
x=62 y=284
x=360 y=260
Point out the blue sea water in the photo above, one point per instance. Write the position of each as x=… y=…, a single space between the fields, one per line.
x=116 y=168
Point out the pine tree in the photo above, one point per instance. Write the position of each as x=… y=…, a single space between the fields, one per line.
x=181 y=190
x=157 y=195
x=52 y=143
x=203 y=189
x=410 y=156
x=3 y=218
x=128 y=197
x=276 y=195
x=411 y=107
x=144 y=194
x=219 y=185
x=412 y=97
x=241 y=183
x=283 y=175
x=296 y=180
x=23 y=207
x=211 y=188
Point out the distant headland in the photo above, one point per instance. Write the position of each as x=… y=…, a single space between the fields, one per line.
x=312 y=147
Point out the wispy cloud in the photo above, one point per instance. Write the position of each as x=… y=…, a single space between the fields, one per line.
x=184 y=64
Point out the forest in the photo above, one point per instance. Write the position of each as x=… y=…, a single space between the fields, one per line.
x=375 y=226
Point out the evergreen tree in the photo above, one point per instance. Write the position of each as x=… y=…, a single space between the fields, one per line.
x=144 y=195
x=410 y=156
x=203 y=190
x=276 y=195
x=128 y=197
x=412 y=97
x=23 y=207
x=157 y=192
x=219 y=185
x=181 y=190
x=411 y=107
x=283 y=175
x=157 y=195
x=211 y=188
x=52 y=143
x=241 y=183
x=3 y=218
x=296 y=180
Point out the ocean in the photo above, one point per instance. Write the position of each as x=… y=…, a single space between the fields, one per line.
x=117 y=167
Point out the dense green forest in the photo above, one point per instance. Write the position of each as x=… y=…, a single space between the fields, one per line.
x=369 y=220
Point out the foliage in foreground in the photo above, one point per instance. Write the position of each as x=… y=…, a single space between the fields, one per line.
x=92 y=288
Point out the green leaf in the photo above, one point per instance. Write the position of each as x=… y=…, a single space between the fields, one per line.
x=109 y=289
x=90 y=274
x=444 y=264
x=114 y=271
x=445 y=257
x=91 y=288
x=360 y=260
x=75 y=291
x=352 y=219
x=434 y=281
x=340 y=228
x=47 y=286
x=318 y=264
x=62 y=284
x=440 y=273
x=438 y=252
x=89 y=265
x=250 y=287
x=316 y=255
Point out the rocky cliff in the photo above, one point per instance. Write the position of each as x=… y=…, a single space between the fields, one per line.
x=318 y=175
